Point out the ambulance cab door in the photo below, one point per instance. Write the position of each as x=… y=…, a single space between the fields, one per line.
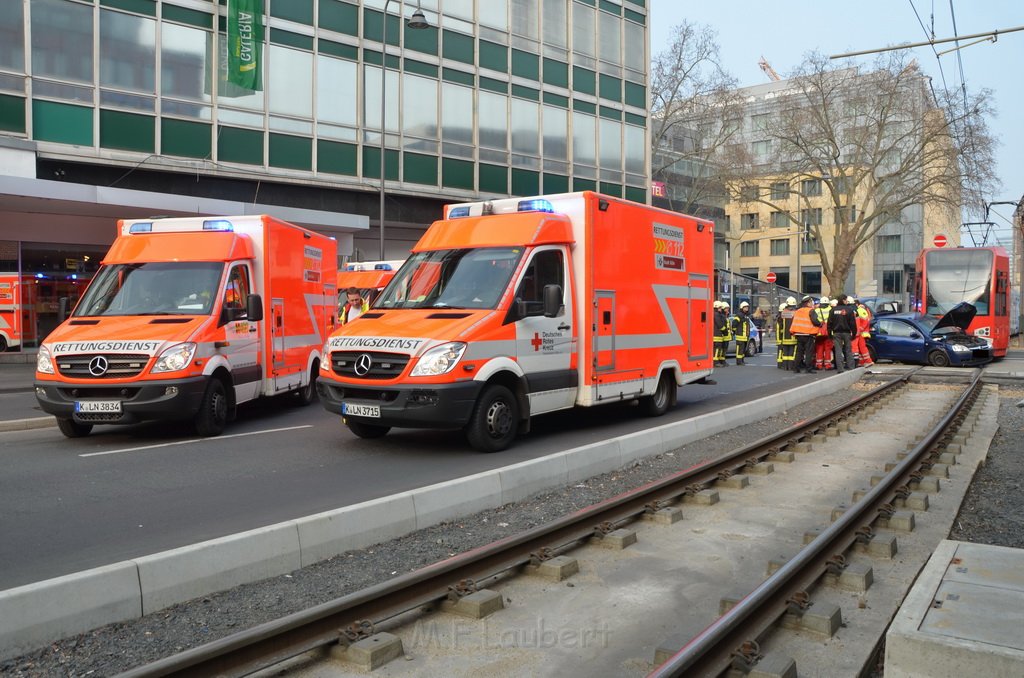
x=544 y=344
x=241 y=336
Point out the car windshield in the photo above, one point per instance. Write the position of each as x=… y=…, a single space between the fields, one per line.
x=154 y=288
x=463 y=278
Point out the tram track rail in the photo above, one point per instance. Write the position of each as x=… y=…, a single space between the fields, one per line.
x=731 y=641
x=356 y=615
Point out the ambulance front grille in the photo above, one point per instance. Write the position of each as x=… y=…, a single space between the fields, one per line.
x=116 y=366
x=381 y=365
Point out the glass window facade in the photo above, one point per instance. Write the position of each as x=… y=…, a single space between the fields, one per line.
x=150 y=76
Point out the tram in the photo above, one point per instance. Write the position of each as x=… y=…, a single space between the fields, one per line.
x=978 y=275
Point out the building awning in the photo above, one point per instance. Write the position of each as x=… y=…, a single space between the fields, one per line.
x=24 y=194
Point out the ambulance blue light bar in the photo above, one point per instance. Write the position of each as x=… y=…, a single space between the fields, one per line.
x=141 y=227
x=383 y=267
x=458 y=212
x=535 y=205
x=217 y=225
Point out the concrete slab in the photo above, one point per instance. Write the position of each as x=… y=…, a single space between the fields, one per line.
x=963 y=616
x=324 y=535
x=37 y=614
x=456 y=498
x=191 y=571
x=527 y=478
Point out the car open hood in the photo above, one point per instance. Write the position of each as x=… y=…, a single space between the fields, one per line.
x=960 y=316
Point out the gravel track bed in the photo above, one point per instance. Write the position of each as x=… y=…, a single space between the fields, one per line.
x=992 y=513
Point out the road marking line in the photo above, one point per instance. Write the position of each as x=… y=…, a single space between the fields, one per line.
x=195 y=440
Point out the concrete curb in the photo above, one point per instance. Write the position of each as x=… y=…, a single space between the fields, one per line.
x=26 y=424
x=43 y=612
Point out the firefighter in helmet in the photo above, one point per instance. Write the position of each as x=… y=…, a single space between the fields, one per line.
x=740 y=326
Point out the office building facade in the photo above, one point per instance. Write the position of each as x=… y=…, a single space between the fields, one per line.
x=123 y=108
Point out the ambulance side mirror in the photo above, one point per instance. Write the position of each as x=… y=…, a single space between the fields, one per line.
x=552 y=300
x=62 y=309
x=254 y=307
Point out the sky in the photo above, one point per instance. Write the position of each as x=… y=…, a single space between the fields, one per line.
x=782 y=32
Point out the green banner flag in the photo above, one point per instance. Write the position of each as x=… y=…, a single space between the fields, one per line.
x=245 y=43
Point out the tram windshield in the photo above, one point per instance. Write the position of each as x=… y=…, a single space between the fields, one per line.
x=958 y=275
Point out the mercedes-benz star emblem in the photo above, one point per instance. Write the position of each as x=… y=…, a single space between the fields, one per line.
x=98 y=366
x=363 y=364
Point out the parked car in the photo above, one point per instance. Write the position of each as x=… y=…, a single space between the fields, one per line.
x=920 y=338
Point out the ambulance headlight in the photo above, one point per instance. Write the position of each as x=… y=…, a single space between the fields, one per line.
x=44 y=363
x=175 y=358
x=439 y=360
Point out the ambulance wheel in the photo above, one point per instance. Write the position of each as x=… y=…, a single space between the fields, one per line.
x=938 y=359
x=658 y=402
x=72 y=429
x=3 y=343
x=213 y=411
x=493 y=425
x=307 y=394
x=368 y=431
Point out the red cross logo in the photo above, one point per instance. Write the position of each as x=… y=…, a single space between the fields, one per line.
x=536 y=341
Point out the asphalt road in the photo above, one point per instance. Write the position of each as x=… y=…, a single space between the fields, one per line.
x=124 y=492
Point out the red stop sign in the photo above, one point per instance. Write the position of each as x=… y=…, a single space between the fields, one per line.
x=939 y=240
x=770 y=277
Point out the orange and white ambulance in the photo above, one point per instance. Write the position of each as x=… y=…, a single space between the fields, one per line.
x=188 y=318
x=16 y=307
x=511 y=308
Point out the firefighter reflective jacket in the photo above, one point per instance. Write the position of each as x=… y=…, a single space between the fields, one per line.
x=802 y=321
x=740 y=328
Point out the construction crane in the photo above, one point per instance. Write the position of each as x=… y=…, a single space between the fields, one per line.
x=768 y=70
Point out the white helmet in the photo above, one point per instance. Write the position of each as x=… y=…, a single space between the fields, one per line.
x=824 y=301
x=834 y=302
x=782 y=307
x=744 y=305
x=791 y=301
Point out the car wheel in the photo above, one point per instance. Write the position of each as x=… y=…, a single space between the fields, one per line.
x=368 y=431
x=938 y=359
x=751 y=348
x=492 y=426
x=72 y=429
x=212 y=416
x=658 y=402
x=872 y=354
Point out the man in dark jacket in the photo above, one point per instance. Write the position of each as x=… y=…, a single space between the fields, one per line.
x=842 y=325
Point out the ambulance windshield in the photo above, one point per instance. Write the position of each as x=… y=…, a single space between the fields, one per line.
x=466 y=278
x=155 y=288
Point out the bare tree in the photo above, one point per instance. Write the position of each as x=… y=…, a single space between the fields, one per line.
x=879 y=141
x=692 y=96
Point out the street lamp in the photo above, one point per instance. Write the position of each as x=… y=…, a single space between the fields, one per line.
x=417 y=21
